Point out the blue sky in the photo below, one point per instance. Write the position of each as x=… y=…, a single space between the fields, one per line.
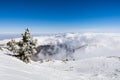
x=52 y=16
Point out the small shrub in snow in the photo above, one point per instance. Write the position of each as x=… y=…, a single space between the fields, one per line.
x=12 y=46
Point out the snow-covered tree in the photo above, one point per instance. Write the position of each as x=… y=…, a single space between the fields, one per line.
x=27 y=47
x=12 y=46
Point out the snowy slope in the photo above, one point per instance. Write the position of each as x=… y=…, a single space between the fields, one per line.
x=98 y=60
x=12 y=68
x=101 y=68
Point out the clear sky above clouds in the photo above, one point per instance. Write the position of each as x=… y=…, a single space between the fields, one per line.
x=49 y=16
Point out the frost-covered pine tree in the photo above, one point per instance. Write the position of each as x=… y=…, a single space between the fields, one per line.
x=28 y=43
x=27 y=47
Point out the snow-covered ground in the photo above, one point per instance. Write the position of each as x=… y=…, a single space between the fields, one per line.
x=96 y=57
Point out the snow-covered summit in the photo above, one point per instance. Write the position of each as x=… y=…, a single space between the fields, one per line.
x=96 y=58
